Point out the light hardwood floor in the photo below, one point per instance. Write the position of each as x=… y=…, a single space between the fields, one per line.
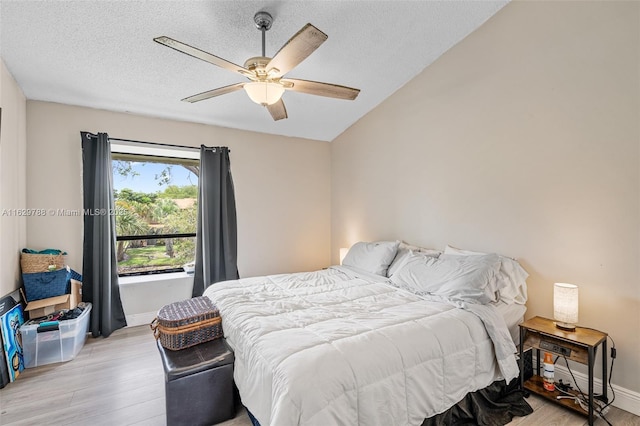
x=119 y=381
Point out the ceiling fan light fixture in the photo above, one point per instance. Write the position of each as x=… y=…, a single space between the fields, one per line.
x=264 y=92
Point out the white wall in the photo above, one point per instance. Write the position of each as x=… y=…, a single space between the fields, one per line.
x=13 y=145
x=143 y=295
x=523 y=140
x=281 y=184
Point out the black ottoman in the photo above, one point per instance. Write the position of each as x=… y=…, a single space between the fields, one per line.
x=198 y=383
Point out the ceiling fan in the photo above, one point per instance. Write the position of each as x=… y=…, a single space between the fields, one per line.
x=267 y=84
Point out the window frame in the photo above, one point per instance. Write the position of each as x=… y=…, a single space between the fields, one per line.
x=168 y=154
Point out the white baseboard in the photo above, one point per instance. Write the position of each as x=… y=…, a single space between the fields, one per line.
x=626 y=399
x=145 y=318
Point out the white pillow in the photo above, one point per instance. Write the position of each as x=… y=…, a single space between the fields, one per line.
x=372 y=257
x=512 y=278
x=403 y=252
x=457 y=278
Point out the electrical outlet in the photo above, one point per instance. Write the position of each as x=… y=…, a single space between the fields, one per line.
x=553 y=347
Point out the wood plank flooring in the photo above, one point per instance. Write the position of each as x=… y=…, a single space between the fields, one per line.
x=119 y=381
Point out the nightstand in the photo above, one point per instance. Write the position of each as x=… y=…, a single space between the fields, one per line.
x=578 y=345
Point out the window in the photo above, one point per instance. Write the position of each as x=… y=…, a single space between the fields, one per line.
x=156 y=210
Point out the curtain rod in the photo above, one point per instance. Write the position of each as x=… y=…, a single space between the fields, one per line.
x=155 y=143
x=166 y=144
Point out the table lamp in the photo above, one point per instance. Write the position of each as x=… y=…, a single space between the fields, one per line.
x=565 y=305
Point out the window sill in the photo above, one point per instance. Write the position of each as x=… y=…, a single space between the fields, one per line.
x=137 y=279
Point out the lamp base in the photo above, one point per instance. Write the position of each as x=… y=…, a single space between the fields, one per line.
x=565 y=326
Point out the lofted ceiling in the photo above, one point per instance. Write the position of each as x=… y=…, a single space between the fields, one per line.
x=101 y=54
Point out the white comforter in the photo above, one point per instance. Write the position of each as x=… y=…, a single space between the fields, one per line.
x=334 y=347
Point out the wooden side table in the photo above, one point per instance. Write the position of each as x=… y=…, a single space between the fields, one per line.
x=578 y=345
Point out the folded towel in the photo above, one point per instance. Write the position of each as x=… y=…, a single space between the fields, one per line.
x=45 y=251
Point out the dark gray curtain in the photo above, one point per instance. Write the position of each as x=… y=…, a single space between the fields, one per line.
x=216 y=236
x=99 y=267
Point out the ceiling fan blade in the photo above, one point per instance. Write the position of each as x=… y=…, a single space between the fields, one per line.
x=321 y=89
x=201 y=54
x=213 y=93
x=296 y=50
x=277 y=110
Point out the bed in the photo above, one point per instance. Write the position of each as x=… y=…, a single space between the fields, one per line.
x=368 y=343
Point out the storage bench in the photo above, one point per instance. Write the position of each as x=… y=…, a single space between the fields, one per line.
x=198 y=384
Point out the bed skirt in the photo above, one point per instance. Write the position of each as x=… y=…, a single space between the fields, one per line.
x=495 y=405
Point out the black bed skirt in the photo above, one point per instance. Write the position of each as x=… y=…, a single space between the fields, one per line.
x=495 y=405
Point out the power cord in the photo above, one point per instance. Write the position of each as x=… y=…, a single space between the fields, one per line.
x=601 y=407
x=599 y=410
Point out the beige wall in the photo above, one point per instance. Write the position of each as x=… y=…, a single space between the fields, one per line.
x=522 y=140
x=282 y=184
x=13 y=145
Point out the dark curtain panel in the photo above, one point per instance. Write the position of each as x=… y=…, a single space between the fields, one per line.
x=216 y=236
x=99 y=267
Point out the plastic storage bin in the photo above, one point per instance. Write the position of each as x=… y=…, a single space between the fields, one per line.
x=52 y=346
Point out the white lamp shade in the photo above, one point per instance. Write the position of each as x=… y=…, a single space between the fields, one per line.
x=343 y=253
x=565 y=304
x=264 y=93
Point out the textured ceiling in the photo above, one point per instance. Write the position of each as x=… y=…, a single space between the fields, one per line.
x=101 y=54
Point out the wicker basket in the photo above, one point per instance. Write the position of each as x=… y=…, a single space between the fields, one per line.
x=183 y=324
x=31 y=262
